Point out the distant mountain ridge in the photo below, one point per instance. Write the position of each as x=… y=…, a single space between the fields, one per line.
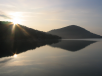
x=73 y=32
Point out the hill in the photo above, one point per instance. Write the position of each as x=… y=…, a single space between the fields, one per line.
x=9 y=31
x=74 y=32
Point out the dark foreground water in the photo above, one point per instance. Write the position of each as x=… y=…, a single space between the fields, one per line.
x=66 y=58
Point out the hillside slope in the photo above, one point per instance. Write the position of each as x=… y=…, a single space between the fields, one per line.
x=73 y=32
x=9 y=31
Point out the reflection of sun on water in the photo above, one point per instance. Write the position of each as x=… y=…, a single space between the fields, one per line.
x=15 y=55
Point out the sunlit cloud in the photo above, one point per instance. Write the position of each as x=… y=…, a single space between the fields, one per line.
x=2 y=14
x=7 y=5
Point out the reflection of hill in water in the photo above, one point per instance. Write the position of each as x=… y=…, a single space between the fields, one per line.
x=8 y=48
x=73 y=45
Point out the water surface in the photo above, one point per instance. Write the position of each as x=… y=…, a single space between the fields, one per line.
x=66 y=58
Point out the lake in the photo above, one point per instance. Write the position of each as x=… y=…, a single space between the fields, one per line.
x=66 y=58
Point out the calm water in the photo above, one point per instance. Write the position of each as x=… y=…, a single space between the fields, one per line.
x=66 y=58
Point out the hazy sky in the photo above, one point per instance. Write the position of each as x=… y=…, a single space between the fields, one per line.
x=46 y=15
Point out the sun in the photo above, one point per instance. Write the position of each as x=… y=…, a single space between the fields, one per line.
x=15 y=21
x=15 y=17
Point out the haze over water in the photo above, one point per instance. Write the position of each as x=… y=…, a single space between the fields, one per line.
x=56 y=61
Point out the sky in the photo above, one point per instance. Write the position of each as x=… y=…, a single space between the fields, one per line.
x=45 y=15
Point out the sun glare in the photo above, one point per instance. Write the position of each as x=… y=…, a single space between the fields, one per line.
x=15 y=17
x=15 y=21
x=15 y=55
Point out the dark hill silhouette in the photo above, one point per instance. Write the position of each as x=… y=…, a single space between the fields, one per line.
x=9 y=31
x=74 y=32
x=72 y=45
